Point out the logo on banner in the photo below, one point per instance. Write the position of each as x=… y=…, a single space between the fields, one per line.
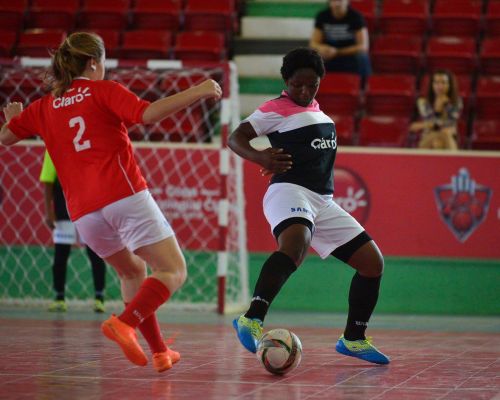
x=463 y=204
x=351 y=193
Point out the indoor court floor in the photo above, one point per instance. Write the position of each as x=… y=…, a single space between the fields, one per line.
x=65 y=356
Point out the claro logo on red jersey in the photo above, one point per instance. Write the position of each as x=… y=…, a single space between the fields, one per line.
x=351 y=193
x=66 y=100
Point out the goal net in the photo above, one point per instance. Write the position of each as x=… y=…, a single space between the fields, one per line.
x=195 y=180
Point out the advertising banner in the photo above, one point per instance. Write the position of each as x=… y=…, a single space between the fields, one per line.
x=412 y=203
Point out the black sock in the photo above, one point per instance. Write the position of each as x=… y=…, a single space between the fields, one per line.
x=61 y=255
x=274 y=273
x=363 y=296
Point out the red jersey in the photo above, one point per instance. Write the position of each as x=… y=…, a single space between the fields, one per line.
x=86 y=136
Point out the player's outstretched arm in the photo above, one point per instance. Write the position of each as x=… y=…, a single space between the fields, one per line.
x=272 y=161
x=162 y=108
x=7 y=137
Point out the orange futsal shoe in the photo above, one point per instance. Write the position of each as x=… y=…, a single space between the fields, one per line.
x=126 y=338
x=163 y=361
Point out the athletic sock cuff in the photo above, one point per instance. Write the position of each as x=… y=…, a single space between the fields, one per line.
x=158 y=287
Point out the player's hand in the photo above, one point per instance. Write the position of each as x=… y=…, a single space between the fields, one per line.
x=12 y=109
x=209 y=89
x=274 y=161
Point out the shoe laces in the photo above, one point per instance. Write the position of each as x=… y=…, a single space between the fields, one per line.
x=255 y=327
x=361 y=344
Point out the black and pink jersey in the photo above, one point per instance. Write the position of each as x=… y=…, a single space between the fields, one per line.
x=307 y=134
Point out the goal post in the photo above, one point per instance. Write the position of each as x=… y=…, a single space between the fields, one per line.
x=195 y=179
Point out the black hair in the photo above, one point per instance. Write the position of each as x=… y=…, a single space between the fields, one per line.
x=299 y=58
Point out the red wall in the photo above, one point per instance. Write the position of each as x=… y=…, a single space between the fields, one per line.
x=404 y=199
x=395 y=196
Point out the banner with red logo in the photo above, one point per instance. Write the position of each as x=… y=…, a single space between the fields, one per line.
x=412 y=203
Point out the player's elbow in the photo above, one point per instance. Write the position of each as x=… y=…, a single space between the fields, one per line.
x=7 y=137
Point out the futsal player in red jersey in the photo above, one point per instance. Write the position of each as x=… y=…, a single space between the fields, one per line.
x=83 y=124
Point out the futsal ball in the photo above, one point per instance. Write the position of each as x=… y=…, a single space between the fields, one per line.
x=279 y=351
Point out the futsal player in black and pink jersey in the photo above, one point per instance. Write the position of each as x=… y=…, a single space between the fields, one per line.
x=83 y=124
x=299 y=204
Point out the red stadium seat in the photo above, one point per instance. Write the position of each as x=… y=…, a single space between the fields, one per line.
x=53 y=14
x=382 y=131
x=99 y=14
x=24 y=86
x=180 y=127
x=368 y=9
x=7 y=42
x=198 y=45
x=157 y=14
x=145 y=84
x=137 y=132
x=345 y=128
x=397 y=54
x=202 y=15
x=176 y=81
x=456 y=18
x=492 y=19
x=12 y=14
x=38 y=42
x=454 y=53
x=339 y=94
x=488 y=98
x=146 y=44
x=486 y=135
x=392 y=95
x=404 y=17
x=112 y=41
x=464 y=83
x=489 y=59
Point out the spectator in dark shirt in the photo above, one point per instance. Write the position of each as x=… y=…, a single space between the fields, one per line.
x=341 y=37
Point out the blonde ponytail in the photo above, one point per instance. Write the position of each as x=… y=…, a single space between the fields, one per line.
x=70 y=60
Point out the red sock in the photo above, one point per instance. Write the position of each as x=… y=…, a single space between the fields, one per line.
x=151 y=295
x=150 y=329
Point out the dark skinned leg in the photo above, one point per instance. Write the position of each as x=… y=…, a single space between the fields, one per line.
x=293 y=244
x=363 y=294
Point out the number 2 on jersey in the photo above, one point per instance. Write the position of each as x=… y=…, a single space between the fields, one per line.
x=79 y=145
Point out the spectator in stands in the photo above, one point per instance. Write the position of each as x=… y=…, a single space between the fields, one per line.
x=439 y=112
x=64 y=234
x=340 y=35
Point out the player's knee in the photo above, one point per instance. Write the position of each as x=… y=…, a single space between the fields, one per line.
x=133 y=272
x=297 y=252
x=377 y=267
x=181 y=273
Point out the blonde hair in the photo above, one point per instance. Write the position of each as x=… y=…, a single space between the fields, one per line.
x=70 y=60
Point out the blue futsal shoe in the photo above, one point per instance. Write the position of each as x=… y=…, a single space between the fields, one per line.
x=249 y=332
x=363 y=349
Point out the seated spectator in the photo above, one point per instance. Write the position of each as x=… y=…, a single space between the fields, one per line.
x=439 y=112
x=340 y=36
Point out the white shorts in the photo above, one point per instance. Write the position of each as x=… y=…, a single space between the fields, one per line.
x=65 y=233
x=332 y=226
x=132 y=222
